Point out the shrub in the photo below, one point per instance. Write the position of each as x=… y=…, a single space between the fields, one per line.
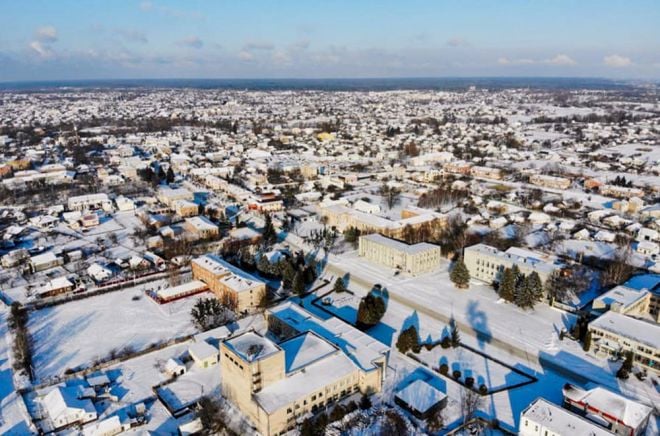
x=444 y=369
x=456 y=374
x=407 y=339
x=337 y=413
x=430 y=345
x=365 y=402
x=469 y=382
x=446 y=342
x=416 y=348
x=483 y=390
x=370 y=311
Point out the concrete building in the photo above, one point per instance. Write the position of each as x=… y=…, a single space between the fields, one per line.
x=411 y=259
x=543 y=418
x=199 y=227
x=89 y=202
x=487 y=263
x=168 y=196
x=186 y=208
x=614 y=334
x=230 y=284
x=274 y=384
x=624 y=300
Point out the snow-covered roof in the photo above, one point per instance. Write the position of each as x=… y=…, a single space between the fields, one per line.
x=181 y=289
x=64 y=401
x=202 y=350
x=630 y=412
x=400 y=246
x=357 y=345
x=644 y=332
x=303 y=349
x=559 y=420
x=420 y=395
x=251 y=346
x=234 y=277
x=621 y=295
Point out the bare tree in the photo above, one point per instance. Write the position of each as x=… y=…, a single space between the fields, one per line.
x=470 y=403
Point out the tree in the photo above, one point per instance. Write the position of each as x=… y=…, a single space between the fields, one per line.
x=170 y=176
x=365 y=402
x=407 y=339
x=460 y=275
x=339 y=286
x=352 y=236
x=390 y=194
x=508 y=285
x=298 y=285
x=470 y=403
x=370 y=311
x=269 y=236
x=586 y=346
x=208 y=313
x=564 y=284
x=535 y=286
x=626 y=366
x=454 y=334
x=213 y=416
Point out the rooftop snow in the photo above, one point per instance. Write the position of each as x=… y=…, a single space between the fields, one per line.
x=641 y=331
x=420 y=396
x=250 y=346
x=305 y=349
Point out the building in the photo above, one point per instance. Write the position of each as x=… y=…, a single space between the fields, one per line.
x=620 y=191
x=624 y=300
x=168 y=196
x=550 y=181
x=230 y=284
x=486 y=172
x=411 y=259
x=276 y=383
x=64 y=407
x=203 y=354
x=616 y=413
x=487 y=263
x=614 y=334
x=186 y=208
x=200 y=227
x=543 y=418
x=44 y=261
x=421 y=399
x=89 y=202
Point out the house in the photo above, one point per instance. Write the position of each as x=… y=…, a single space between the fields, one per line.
x=124 y=204
x=174 y=367
x=203 y=354
x=646 y=234
x=543 y=418
x=421 y=399
x=89 y=202
x=186 y=208
x=108 y=427
x=201 y=227
x=64 y=407
x=90 y=220
x=54 y=287
x=99 y=273
x=618 y=414
x=44 y=261
x=647 y=248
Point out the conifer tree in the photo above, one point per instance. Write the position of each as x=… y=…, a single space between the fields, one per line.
x=298 y=283
x=269 y=234
x=508 y=285
x=455 y=336
x=339 y=285
x=460 y=275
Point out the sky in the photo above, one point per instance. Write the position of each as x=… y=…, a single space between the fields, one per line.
x=133 y=39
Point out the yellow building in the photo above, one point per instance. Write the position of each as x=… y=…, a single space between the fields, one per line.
x=186 y=208
x=230 y=284
x=411 y=259
x=315 y=364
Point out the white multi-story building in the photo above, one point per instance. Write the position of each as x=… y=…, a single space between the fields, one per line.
x=410 y=259
x=543 y=418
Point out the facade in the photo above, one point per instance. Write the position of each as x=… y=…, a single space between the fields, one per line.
x=613 y=334
x=486 y=172
x=412 y=259
x=624 y=300
x=543 y=418
x=200 y=227
x=168 y=196
x=230 y=284
x=550 y=181
x=487 y=263
x=274 y=384
x=186 y=208
x=618 y=414
x=64 y=407
x=620 y=191
x=91 y=201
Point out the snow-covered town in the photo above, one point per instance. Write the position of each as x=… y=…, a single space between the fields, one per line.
x=416 y=261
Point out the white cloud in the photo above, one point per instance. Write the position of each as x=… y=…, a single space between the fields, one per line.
x=192 y=42
x=266 y=46
x=41 y=50
x=561 y=59
x=245 y=55
x=46 y=34
x=617 y=61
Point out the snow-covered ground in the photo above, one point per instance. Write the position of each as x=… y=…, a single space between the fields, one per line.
x=79 y=332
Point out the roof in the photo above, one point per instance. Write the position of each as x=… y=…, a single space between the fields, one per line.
x=630 y=412
x=232 y=276
x=621 y=295
x=420 y=395
x=300 y=384
x=361 y=348
x=251 y=346
x=517 y=255
x=303 y=349
x=561 y=421
x=202 y=351
x=184 y=288
x=63 y=400
x=644 y=332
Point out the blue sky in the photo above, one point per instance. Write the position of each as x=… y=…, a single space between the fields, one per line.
x=75 y=39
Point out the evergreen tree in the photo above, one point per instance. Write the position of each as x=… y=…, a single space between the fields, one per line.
x=298 y=285
x=407 y=339
x=263 y=265
x=523 y=296
x=626 y=367
x=170 y=176
x=370 y=311
x=269 y=236
x=508 y=285
x=535 y=286
x=454 y=334
x=339 y=286
x=460 y=275
x=288 y=272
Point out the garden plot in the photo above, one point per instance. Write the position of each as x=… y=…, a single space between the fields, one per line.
x=494 y=375
x=78 y=332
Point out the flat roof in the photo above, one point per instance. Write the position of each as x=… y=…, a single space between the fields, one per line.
x=622 y=295
x=644 y=332
x=400 y=246
x=630 y=412
x=251 y=346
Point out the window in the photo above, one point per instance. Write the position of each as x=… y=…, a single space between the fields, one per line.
x=289 y=410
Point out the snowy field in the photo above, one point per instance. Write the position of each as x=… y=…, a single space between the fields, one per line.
x=78 y=332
